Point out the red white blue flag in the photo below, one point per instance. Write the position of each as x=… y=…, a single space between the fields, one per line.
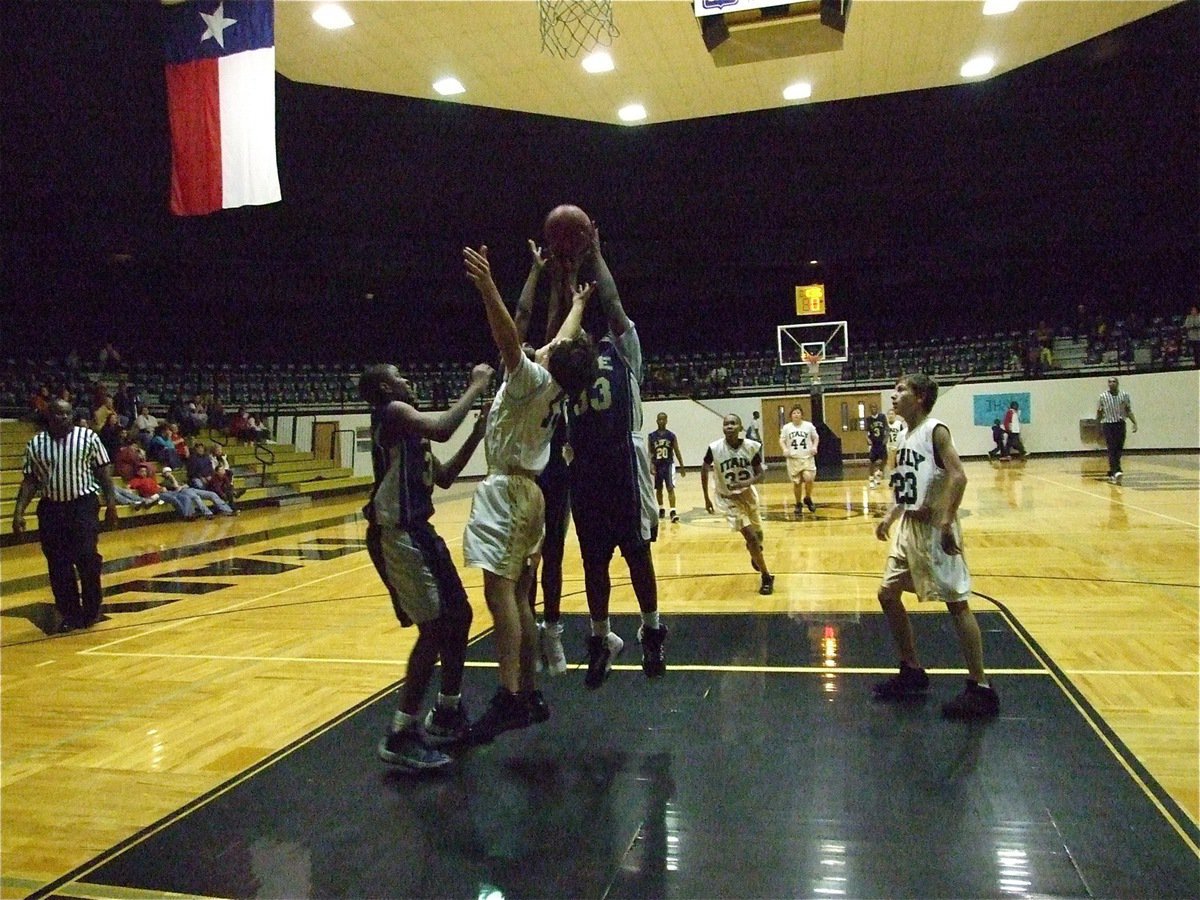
x=221 y=104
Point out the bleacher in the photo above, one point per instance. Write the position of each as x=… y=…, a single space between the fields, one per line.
x=270 y=474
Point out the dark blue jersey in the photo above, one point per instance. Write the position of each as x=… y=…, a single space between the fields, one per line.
x=662 y=447
x=403 y=468
x=877 y=429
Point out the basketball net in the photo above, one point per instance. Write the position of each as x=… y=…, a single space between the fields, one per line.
x=571 y=27
x=814 y=366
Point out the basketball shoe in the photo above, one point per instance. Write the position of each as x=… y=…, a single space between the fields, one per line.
x=539 y=710
x=909 y=682
x=406 y=748
x=974 y=702
x=654 y=657
x=552 y=657
x=601 y=653
x=768 y=585
x=674 y=516
x=505 y=712
x=445 y=726
x=809 y=504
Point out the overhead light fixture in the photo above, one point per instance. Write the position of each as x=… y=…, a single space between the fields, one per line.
x=801 y=90
x=448 y=86
x=597 y=62
x=332 y=16
x=976 y=66
x=999 y=7
x=634 y=112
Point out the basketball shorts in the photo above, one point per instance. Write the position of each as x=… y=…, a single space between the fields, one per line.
x=664 y=477
x=878 y=453
x=507 y=523
x=797 y=466
x=740 y=509
x=611 y=515
x=418 y=571
x=918 y=564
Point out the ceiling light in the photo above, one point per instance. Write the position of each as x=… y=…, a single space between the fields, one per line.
x=801 y=90
x=448 y=86
x=999 y=7
x=634 y=112
x=332 y=16
x=600 y=61
x=979 y=65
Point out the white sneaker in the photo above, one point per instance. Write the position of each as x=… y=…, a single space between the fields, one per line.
x=540 y=662
x=550 y=641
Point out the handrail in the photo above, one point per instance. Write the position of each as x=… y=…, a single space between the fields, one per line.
x=268 y=460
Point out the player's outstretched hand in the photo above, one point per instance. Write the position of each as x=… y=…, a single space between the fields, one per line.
x=477 y=266
x=540 y=257
x=482 y=374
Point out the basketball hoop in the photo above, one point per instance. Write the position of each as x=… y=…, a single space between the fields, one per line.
x=571 y=27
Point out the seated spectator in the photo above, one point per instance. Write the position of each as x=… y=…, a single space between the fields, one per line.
x=109 y=357
x=245 y=427
x=178 y=439
x=147 y=486
x=130 y=456
x=1045 y=357
x=222 y=480
x=103 y=410
x=217 y=417
x=145 y=424
x=198 y=409
x=197 y=497
x=111 y=433
x=1171 y=349
x=126 y=402
x=200 y=467
x=161 y=449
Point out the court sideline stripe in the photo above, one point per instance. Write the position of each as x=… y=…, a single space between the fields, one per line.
x=1187 y=830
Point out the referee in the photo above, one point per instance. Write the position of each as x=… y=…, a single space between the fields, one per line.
x=1112 y=411
x=67 y=464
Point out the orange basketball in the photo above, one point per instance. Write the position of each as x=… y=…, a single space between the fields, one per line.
x=568 y=231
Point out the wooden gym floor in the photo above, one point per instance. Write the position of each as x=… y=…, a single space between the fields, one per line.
x=214 y=734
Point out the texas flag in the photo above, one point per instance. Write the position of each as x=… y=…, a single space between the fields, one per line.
x=221 y=104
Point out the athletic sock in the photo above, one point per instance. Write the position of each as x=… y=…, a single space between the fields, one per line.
x=650 y=620
x=402 y=720
x=601 y=628
x=448 y=701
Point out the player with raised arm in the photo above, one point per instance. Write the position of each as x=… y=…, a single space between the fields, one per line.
x=611 y=497
x=738 y=464
x=413 y=560
x=504 y=531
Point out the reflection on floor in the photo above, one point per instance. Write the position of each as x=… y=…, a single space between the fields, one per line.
x=762 y=769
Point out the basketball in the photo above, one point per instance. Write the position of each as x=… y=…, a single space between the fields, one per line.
x=568 y=231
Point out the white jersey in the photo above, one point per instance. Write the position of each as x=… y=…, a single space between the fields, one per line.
x=734 y=466
x=896 y=431
x=798 y=441
x=918 y=480
x=522 y=419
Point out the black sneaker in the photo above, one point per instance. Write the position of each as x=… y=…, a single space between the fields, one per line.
x=809 y=504
x=539 y=710
x=974 y=702
x=662 y=513
x=505 y=712
x=654 y=657
x=444 y=727
x=768 y=585
x=909 y=682
x=601 y=653
x=799 y=510
x=674 y=516
x=408 y=750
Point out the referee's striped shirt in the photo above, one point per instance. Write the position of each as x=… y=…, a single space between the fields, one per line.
x=65 y=468
x=1113 y=407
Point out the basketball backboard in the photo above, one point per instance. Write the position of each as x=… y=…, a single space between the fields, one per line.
x=829 y=339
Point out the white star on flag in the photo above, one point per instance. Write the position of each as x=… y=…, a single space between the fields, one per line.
x=217 y=23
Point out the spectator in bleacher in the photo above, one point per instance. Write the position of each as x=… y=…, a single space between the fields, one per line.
x=245 y=427
x=198 y=496
x=126 y=402
x=217 y=417
x=1171 y=349
x=129 y=456
x=144 y=425
x=198 y=408
x=161 y=449
x=146 y=485
x=103 y=410
x=110 y=435
x=39 y=401
x=1191 y=327
x=180 y=442
x=109 y=357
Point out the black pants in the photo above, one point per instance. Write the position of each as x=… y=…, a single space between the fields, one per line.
x=69 y=534
x=1114 y=439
